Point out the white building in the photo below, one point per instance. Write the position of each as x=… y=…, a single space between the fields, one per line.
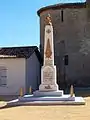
x=19 y=68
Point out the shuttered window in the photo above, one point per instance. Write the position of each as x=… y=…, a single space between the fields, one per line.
x=3 y=76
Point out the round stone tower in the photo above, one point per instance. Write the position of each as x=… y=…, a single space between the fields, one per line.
x=71 y=24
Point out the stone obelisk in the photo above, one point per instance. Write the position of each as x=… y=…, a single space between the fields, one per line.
x=48 y=70
x=48 y=92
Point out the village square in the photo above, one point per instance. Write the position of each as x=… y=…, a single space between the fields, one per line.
x=50 y=81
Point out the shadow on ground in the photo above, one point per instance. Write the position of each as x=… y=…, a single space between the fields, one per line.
x=14 y=106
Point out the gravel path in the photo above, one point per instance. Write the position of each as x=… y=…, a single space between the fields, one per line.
x=62 y=112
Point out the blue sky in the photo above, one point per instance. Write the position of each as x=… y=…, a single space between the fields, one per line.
x=19 y=22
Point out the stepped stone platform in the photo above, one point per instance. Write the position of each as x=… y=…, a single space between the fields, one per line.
x=57 y=93
x=47 y=100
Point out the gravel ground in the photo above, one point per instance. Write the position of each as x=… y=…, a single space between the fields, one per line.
x=62 y=112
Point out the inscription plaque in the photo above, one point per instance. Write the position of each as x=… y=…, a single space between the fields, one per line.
x=48 y=75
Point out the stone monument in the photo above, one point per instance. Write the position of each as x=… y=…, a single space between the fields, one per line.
x=48 y=71
x=49 y=92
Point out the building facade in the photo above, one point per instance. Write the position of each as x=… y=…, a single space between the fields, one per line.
x=71 y=24
x=19 y=68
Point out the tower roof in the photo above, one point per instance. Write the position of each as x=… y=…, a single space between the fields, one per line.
x=62 y=6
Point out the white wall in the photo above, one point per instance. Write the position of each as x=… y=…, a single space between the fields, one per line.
x=15 y=75
x=32 y=72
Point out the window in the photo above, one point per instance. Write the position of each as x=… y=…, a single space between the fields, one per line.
x=66 y=60
x=3 y=76
x=62 y=15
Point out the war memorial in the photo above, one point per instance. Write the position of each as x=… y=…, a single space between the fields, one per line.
x=48 y=93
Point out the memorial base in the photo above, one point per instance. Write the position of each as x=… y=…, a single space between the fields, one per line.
x=33 y=100
x=48 y=88
x=49 y=93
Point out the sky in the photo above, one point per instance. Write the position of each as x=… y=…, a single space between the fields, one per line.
x=19 y=22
